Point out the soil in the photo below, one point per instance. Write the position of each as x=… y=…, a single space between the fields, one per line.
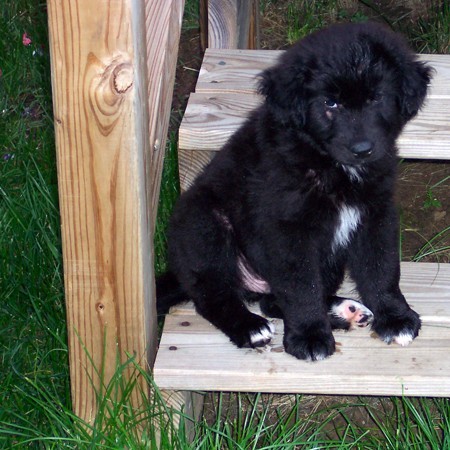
x=423 y=187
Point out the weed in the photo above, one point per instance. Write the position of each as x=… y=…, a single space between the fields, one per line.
x=431 y=201
x=432 y=34
x=304 y=17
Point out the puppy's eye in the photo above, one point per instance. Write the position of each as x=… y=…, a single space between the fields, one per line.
x=331 y=103
x=377 y=97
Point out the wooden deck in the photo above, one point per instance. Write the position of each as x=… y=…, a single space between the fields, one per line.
x=193 y=355
x=226 y=93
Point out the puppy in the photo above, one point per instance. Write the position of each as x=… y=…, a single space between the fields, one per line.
x=302 y=192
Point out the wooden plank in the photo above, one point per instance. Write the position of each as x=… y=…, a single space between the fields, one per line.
x=248 y=24
x=232 y=23
x=225 y=70
x=189 y=403
x=211 y=119
x=193 y=354
x=101 y=125
x=427 y=136
x=428 y=283
x=190 y=164
x=203 y=23
x=163 y=26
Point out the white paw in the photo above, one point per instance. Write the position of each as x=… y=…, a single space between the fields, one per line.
x=403 y=339
x=263 y=335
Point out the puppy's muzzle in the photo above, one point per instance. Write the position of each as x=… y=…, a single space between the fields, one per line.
x=362 y=149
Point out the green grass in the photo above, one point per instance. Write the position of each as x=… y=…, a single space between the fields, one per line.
x=32 y=320
x=246 y=421
x=170 y=190
x=432 y=34
x=304 y=17
x=35 y=403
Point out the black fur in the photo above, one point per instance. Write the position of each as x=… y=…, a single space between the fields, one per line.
x=322 y=142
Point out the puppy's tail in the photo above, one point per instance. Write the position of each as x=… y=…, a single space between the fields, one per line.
x=168 y=293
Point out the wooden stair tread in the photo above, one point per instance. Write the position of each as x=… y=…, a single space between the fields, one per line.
x=194 y=355
x=226 y=93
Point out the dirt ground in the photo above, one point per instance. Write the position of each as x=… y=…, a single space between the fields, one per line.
x=423 y=196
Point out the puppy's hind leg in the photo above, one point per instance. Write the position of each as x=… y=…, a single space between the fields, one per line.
x=223 y=306
x=209 y=274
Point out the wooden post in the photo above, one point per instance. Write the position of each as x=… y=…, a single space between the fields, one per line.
x=233 y=23
x=108 y=177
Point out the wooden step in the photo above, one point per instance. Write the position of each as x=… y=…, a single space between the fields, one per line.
x=226 y=93
x=194 y=355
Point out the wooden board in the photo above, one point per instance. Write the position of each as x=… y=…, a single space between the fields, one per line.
x=226 y=93
x=194 y=355
x=99 y=92
x=228 y=70
x=233 y=23
x=109 y=148
x=162 y=26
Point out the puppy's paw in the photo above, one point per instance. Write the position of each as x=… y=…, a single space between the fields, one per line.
x=262 y=335
x=254 y=332
x=398 y=328
x=349 y=314
x=311 y=344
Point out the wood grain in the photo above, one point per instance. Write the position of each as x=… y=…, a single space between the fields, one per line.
x=107 y=197
x=191 y=163
x=211 y=119
x=237 y=70
x=226 y=93
x=233 y=23
x=163 y=26
x=199 y=357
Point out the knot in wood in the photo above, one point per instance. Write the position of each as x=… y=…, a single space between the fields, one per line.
x=122 y=77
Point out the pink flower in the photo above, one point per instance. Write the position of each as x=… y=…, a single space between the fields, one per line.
x=26 y=39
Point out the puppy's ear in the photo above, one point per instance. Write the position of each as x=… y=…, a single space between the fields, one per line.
x=416 y=79
x=282 y=87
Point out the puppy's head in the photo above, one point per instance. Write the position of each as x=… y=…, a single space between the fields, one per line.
x=350 y=87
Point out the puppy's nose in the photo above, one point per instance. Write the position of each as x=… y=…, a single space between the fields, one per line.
x=362 y=149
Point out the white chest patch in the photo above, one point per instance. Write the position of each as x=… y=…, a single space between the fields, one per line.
x=348 y=221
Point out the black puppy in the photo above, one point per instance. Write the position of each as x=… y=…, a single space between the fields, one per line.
x=302 y=192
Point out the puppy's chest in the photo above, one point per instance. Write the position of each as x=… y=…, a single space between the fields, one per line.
x=339 y=197
x=347 y=222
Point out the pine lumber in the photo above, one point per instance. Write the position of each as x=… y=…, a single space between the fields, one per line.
x=195 y=355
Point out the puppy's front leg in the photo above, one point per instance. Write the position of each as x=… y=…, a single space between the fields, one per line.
x=299 y=294
x=311 y=341
x=375 y=267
